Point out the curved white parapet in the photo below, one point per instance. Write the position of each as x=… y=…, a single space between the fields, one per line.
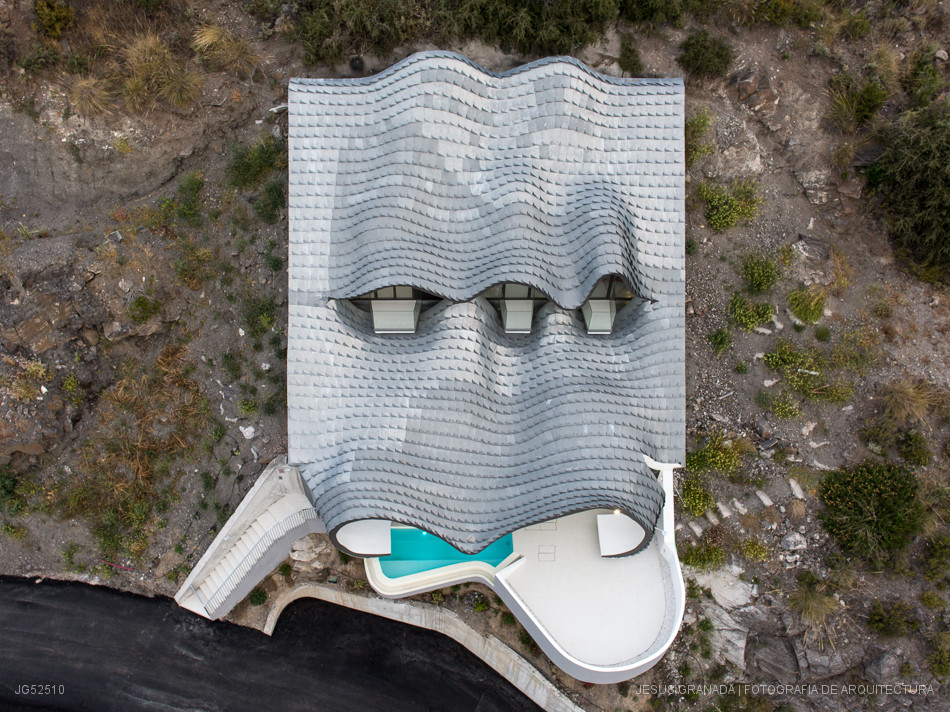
x=366 y=537
x=411 y=584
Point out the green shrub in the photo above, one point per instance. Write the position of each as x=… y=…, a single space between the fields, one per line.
x=258 y=597
x=872 y=509
x=695 y=497
x=629 y=61
x=923 y=81
x=755 y=550
x=912 y=179
x=188 y=203
x=54 y=17
x=892 y=621
x=718 y=454
x=702 y=55
x=913 y=447
x=784 y=407
x=939 y=660
x=329 y=32
x=720 y=340
x=933 y=600
x=808 y=305
x=937 y=557
x=39 y=57
x=285 y=569
x=748 y=315
x=251 y=164
x=260 y=315
x=507 y=618
x=143 y=308
x=822 y=333
x=724 y=209
x=704 y=556
x=652 y=12
x=760 y=273
x=690 y=247
x=802 y=13
x=696 y=128
x=271 y=200
x=741 y=367
x=854 y=101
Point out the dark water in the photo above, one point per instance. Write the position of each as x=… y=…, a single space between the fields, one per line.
x=100 y=650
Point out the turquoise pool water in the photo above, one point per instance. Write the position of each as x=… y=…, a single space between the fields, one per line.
x=414 y=550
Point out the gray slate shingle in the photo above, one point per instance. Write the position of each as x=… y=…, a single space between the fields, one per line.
x=441 y=175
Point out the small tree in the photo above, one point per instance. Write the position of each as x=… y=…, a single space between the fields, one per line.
x=913 y=179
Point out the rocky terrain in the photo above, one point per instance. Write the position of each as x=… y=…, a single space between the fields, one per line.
x=143 y=292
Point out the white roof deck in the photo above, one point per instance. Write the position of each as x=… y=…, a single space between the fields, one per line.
x=601 y=611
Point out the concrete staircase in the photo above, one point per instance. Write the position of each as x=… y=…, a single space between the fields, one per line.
x=275 y=512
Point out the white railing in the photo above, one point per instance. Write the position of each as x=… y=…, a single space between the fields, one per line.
x=255 y=554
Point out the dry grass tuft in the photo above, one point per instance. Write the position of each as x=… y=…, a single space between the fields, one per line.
x=181 y=89
x=90 y=96
x=811 y=601
x=910 y=400
x=152 y=71
x=225 y=51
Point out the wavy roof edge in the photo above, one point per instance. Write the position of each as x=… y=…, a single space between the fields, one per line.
x=427 y=55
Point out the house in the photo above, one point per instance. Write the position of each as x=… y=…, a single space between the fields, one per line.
x=486 y=372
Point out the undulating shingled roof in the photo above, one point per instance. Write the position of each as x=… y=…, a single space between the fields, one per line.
x=438 y=174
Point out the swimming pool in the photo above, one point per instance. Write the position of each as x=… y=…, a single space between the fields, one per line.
x=414 y=551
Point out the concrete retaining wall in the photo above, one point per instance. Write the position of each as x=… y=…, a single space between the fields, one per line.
x=502 y=659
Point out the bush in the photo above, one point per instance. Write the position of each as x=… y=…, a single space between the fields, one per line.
x=271 y=200
x=695 y=497
x=54 y=17
x=651 y=12
x=912 y=179
x=718 y=454
x=892 y=621
x=143 y=308
x=696 y=128
x=913 y=447
x=250 y=164
x=748 y=315
x=724 y=209
x=854 y=101
x=755 y=550
x=258 y=597
x=188 y=205
x=260 y=315
x=933 y=600
x=807 y=305
x=923 y=81
x=704 y=556
x=702 y=55
x=760 y=273
x=871 y=509
x=784 y=407
x=720 y=340
x=629 y=61
x=822 y=333
x=329 y=32
x=937 y=557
